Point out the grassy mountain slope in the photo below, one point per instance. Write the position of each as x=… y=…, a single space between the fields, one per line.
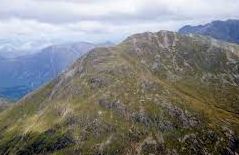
x=160 y=93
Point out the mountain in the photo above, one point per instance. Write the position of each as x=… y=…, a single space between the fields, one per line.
x=22 y=74
x=223 y=30
x=154 y=93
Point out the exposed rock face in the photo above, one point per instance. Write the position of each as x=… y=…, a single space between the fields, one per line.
x=155 y=93
x=223 y=30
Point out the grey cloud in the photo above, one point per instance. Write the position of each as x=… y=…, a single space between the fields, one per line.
x=53 y=11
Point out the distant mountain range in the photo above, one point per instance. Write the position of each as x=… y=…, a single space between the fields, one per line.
x=222 y=30
x=23 y=74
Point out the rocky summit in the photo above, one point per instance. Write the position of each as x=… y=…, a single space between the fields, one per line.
x=154 y=93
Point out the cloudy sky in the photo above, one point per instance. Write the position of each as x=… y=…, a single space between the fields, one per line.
x=102 y=20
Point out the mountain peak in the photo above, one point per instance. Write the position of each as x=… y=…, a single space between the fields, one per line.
x=163 y=39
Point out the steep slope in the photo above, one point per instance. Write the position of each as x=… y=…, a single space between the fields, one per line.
x=24 y=74
x=161 y=93
x=223 y=30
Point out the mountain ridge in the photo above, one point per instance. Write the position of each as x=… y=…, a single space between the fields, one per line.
x=223 y=30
